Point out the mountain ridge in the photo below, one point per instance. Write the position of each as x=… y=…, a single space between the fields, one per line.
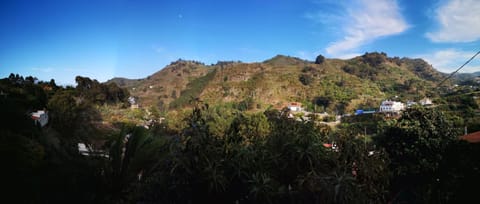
x=330 y=85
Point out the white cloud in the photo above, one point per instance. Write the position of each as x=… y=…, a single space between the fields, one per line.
x=459 y=22
x=364 y=22
x=449 y=60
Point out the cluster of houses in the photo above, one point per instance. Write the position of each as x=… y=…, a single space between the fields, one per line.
x=388 y=107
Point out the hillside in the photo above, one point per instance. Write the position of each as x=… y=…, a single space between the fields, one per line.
x=332 y=85
x=124 y=82
x=462 y=77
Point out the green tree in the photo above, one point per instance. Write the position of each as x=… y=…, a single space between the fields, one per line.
x=133 y=156
x=361 y=172
x=71 y=116
x=320 y=59
x=417 y=144
x=323 y=101
x=95 y=92
x=249 y=128
x=306 y=79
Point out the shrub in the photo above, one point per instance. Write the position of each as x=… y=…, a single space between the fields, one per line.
x=306 y=79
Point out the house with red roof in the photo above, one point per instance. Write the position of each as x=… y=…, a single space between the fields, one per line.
x=40 y=117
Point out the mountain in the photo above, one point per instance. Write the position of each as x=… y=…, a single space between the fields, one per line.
x=333 y=84
x=463 y=77
x=124 y=82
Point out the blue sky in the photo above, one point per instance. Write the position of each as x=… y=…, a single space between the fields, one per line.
x=126 y=38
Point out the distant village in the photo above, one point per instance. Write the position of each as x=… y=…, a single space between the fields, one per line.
x=387 y=107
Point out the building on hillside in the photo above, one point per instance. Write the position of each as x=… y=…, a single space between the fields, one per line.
x=361 y=112
x=389 y=106
x=295 y=106
x=411 y=103
x=40 y=117
x=82 y=148
x=332 y=146
x=133 y=102
x=426 y=102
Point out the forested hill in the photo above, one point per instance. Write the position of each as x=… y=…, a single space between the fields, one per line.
x=334 y=84
x=84 y=144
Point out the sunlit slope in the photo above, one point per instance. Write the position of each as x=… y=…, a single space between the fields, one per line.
x=334 y=84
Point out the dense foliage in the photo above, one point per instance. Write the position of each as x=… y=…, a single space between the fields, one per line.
x=225 y=153
x=320 y=59
x=96 y=92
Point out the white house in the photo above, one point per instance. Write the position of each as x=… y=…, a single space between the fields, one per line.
x=426 y=102
x=411 y=103
x=132 y=100
x=391 y=106
x=40 y=117
x=82 y=148
x=294 y=106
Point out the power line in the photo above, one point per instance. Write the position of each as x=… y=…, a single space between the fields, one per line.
x=458 y=69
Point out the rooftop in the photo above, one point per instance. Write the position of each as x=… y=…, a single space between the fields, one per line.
x=472 y=137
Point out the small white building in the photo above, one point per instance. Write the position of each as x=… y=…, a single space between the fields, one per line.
x=295 y=107
x=391 y=106
x=132 y=100
x=411 y=103
x=40 y=117
x=82 y=148
x=426 y=102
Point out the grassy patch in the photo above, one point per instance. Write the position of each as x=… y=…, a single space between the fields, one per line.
x=193 y=90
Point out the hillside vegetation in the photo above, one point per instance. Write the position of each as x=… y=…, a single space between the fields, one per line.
x=229 y=151
x=332 y=85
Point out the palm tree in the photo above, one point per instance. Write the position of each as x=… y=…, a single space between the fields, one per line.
x=134 y=154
